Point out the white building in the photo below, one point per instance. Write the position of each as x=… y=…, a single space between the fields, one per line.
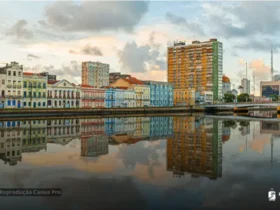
x=63 y=94
x=245 y=83
x=226 y=85
x=95 y=74
x=129 y=98
x=12 y=74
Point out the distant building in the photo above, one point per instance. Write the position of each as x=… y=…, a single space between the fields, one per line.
x=142 y=90
x=120 y=97
x=234 y=92
x=245 y=83
x=92 y=97
x=226 y=85
x=50 y=77
x=268 y=88
x=95 y=74
x=161 y=93
x=114 y=76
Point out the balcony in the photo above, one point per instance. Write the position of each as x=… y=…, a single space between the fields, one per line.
x=9 y=86
x=14 y=86
x=19 y=86
x=49 y=96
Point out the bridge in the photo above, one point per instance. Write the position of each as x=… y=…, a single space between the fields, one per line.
x=242 y=105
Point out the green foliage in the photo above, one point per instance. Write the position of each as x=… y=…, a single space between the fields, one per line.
x=229 y=123
x=274 y=97
x=228 y=97
x=243 y=97
x=244 y=123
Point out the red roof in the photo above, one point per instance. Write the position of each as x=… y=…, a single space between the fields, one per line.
x=51 y=82
x=133 y=81
x=28 y=73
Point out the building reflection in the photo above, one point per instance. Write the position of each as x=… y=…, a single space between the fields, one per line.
x=195 y=148
x=94 y=142
x=194 y=144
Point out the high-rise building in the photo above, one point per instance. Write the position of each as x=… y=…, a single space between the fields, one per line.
x=95 y=74
x=245 y=83
x=197 y=66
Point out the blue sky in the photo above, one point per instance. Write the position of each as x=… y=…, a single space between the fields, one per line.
x=133 y=36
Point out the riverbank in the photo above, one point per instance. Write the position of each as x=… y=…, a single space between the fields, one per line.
x=26 y=113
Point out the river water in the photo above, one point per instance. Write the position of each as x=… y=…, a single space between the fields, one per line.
x=172 y=162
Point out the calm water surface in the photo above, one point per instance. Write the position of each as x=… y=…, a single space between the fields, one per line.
x=178 y=162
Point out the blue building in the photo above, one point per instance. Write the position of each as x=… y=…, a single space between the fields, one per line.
x=161 y=93
x=114 y=98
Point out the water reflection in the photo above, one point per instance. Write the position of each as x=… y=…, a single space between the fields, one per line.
x=174 y=162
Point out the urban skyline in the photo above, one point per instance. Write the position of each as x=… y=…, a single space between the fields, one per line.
x=139 y=46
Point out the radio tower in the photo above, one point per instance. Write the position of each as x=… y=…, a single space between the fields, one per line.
x=271 y=70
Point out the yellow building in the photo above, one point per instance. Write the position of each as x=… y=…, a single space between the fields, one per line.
x=142 y=91
x=196 y=66
x=184 y=97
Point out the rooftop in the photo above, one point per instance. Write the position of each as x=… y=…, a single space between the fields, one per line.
x=133 y=81
x=226 y=79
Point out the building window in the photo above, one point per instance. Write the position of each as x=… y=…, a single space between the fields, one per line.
x=19 y=74
x=3 y=82
x=24 y=84
x=9 y=73
x=39 y=94
x=24 y=94
x=64 y=83
x=29 y=104
x=44 y=85
x=39 y=103
x=44 y=104
x=24 y=103
x=15 y=73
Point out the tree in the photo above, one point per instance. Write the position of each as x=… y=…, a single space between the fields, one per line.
x=243 y=97
x=228 y=97
x=229 y=123
x=274 y=97
x=244 y=123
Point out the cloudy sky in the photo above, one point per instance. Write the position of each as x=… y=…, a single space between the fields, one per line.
x=133 y=37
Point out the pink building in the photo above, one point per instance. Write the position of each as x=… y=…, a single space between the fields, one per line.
x=92 y=97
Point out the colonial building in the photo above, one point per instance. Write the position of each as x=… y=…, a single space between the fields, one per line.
x=34 y=90
x=114 y=97
x=63 y=94
x=161 y=93
x=142 y=91
x=92 y=97
x=184 y=97
x=95 y=74
x=12 y=74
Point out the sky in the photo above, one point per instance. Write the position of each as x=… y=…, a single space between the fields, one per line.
x=133 y=36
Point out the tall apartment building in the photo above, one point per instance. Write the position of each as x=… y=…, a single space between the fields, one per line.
x=245 y=83
x=95 y=74
x=196 y=66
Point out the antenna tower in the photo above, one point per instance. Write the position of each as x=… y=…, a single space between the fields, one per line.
x=271 y=70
